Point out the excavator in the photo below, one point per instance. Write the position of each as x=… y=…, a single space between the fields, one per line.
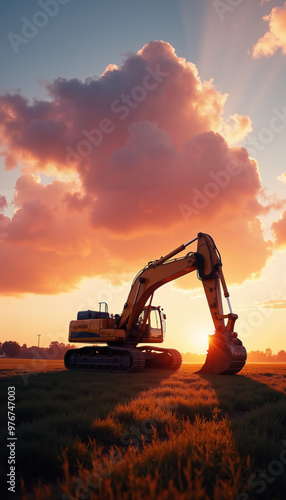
x=143 y=323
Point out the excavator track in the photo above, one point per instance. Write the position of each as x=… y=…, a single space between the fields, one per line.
x=159 y=357
x=176 y=359
x=104 y=359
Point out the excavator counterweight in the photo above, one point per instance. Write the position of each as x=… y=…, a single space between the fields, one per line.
x=141 y=322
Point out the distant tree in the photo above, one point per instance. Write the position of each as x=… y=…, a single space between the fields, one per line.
x=281 y=356
x=32 y=352
x=11 y=349
x=24 y=351
x=266 y=357
x=256 y=356
x=268 y=353
x=56 y=350
x=1 y=352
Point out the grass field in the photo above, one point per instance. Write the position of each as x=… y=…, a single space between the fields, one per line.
x=150 y=435
x=9 y=367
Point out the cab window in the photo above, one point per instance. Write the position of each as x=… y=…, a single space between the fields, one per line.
x=155 y=323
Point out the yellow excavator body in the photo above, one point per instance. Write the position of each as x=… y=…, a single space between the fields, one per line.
x=95 y=330
x=141 y=322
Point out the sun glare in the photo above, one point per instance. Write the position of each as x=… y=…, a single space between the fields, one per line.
x=200 y=341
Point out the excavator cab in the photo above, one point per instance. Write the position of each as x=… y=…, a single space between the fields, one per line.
x=152 y=324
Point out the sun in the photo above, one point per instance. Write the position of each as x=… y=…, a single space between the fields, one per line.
x=200 y=342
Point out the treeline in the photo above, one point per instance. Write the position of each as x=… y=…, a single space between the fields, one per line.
x=252 y=357
x=12 y=349
x=57 y=350
x=266 y=357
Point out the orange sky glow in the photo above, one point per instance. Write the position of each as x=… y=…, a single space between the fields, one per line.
x=120 y=169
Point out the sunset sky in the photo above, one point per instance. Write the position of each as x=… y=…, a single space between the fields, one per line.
x=125 y=129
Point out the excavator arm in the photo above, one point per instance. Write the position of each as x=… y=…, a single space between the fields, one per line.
x=226 y=353
x=206 y=261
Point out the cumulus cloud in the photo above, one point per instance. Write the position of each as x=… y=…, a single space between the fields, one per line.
x=279 y=230
x=275 y=38
x=85 y=120
x=3 y=203
x=236 y=128
x=151 y=162
x=45 y=246
x=282 y=177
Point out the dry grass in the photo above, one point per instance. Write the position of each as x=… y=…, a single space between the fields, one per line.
x=10 y=367
x=150 y=435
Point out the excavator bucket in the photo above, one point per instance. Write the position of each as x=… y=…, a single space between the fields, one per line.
x=225 y=356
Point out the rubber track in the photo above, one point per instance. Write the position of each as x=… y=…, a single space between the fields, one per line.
x=176 y=357
x=138 y=359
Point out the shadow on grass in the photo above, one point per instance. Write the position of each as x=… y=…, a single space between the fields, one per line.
x=257 y=414
x=56 y=411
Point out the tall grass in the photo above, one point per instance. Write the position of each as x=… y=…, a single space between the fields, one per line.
x=150 y=435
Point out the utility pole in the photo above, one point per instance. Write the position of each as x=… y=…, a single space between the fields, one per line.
x=39 y=345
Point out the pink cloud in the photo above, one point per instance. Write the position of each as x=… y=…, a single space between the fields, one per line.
x=279 y=230
x=153 y=85
x=236 y=128
x=151 y=169
x=275 y=38
x=282 y=177
x=46 y=246
x=3 y=203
